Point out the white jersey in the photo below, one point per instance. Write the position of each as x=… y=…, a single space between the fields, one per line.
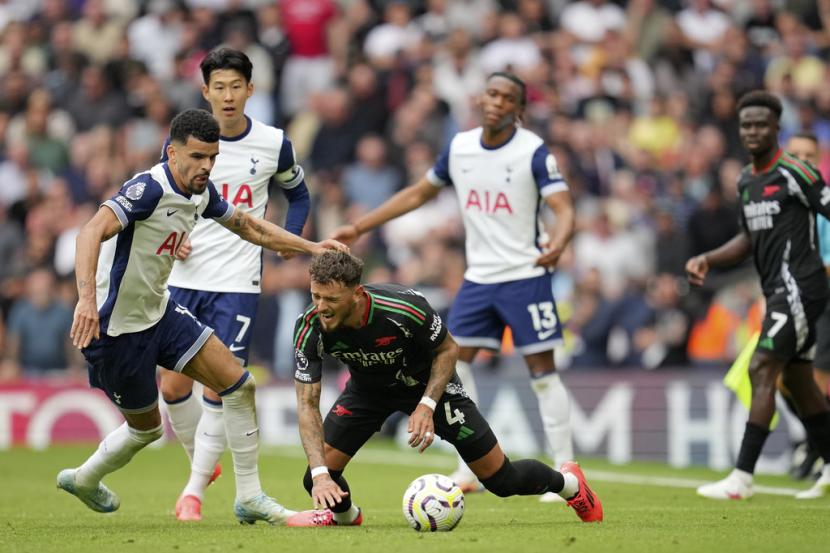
x=500 y=191
x=134 y=265
x=221 y=261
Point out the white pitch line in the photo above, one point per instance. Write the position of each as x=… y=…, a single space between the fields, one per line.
x=671 y=482
x=378 y=457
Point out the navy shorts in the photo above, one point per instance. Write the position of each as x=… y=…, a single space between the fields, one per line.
x=231 y=314
x=481 y=311
x=125 y=366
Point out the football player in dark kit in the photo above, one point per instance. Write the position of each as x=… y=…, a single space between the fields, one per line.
x=401 y=358
x=779 y=197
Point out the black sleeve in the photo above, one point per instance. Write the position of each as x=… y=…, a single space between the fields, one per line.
x=431 y=333
x=308 y=364
x=812 y=186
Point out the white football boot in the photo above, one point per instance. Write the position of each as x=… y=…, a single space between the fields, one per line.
x=820 y=488
x=738 y=485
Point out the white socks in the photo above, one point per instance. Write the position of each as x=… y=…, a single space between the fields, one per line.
x=115 y=451
x=555 y=408
x=465 y=374
x=571 y=486
x=349 y=516
x=210 y=443
x=243 y=436
x=184 y=416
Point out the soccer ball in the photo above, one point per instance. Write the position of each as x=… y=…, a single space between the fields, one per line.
x=433 y=503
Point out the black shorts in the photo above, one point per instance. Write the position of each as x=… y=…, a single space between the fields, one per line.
x=789 y=328
x=357 y=414
x=822 y=359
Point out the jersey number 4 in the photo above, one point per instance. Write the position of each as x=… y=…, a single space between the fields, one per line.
x=455 y=417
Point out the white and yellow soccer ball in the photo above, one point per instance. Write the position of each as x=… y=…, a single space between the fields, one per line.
x=433 y=503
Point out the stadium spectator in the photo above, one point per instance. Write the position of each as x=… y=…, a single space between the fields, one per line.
x=38 y=343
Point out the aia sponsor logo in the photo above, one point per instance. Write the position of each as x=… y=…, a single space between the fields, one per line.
x=384 y=341
x=770 y=190
x=243 y=195
x=341 y=411
x=485 y=202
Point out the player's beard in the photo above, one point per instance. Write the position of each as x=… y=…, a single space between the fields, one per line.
x=197 y=187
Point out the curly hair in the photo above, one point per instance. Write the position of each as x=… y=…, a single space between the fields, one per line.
x=762 y=99
x=335 y=266
x=197 y=123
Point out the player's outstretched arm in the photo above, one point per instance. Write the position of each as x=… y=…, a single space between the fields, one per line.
x=734 y=251
x=268 y=235
x=325 y=492
x=563 y=229
x=410 y=198
x=421 y=427
x=103 y=226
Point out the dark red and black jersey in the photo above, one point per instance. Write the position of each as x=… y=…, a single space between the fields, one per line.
x=394 y=348
x=778 y=207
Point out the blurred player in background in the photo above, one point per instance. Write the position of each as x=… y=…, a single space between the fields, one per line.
x=501 y=173
x=805 y=147
x=219 y=279
x=779 y=196
x=401 y=359
x=126 y=324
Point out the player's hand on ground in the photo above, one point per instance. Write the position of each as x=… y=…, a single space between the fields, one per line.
x=326 y=493
x=549 y=258
x=85 y=325
x=184 y=250
x=696 y=269
x=421 y=428
x=346 y=234
x=330 y=245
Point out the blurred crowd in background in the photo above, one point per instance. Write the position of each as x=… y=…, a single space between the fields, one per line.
x=635 y=99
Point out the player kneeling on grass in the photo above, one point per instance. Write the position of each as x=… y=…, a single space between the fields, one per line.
x=401 y=358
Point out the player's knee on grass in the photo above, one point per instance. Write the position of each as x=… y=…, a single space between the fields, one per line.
x=524 y=477
x=336 y=475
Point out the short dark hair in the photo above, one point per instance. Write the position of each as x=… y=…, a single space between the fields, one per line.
x=516 y=80
x=762 y=99
x=226 y=58
x=336 y=266
x=197 y=123
x=806 y=135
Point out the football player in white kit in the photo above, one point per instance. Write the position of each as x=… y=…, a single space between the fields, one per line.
x=218 y=275
x=127 y=324
x=501 y=173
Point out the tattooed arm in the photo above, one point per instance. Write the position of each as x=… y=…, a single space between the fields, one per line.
x=421 y=425
x=103 y=226
x=325 y=492
x=270 y=236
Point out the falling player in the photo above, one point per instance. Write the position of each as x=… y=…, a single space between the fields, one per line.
x=500 y=171
x=400 y=358
x=219 y=281
x=779 y=196
x=127 y=324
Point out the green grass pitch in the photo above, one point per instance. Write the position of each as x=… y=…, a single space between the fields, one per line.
x=639 y=516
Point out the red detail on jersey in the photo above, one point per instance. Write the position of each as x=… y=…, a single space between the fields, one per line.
x=770 y=189
x=340 y=411
x=171 y=243
x=488 y=203
x=243 y=195
x=384 y=341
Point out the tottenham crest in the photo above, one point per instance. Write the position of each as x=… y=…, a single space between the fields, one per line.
x=135 y=191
